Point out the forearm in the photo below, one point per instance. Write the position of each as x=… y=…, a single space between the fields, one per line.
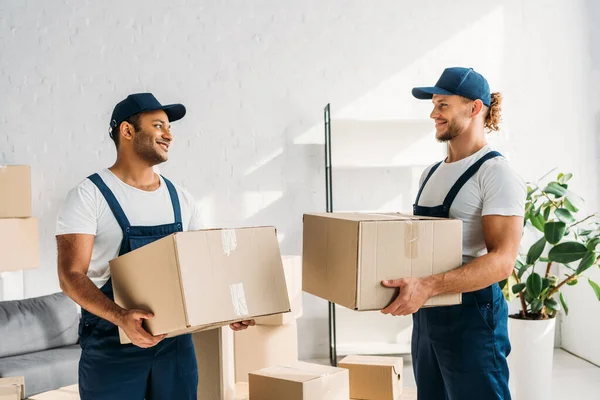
x=82 y=290
x=478 y=274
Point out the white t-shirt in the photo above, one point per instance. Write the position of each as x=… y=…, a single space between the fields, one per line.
x=494 y=190
x=86 y=211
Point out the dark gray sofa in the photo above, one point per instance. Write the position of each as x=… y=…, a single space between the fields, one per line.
x=38 y=340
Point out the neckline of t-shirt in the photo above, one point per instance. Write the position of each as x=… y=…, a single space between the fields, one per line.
x=148 y=192
x=467 y=160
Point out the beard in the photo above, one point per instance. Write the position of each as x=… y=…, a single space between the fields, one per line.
x=453 y=130
x=144 y=146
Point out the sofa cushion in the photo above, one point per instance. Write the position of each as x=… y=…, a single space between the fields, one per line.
x=44 y=370
x=37 y=324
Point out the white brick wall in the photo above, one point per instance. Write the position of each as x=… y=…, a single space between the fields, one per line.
x=255 y=76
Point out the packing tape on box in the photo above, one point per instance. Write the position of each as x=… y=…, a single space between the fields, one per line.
x=238 y=299
x=411 y=240
x=229 y=241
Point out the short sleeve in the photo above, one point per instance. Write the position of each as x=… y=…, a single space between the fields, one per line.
x=78 y=212
x=504 y=192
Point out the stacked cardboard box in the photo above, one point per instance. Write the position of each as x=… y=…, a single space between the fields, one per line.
x=64 y=393
x=214 y=354
x=300 y=380
x=263 y=346
x=12 y=388
x=345 y=256
x=199 y=280
x=374 y=377
x=18 y=230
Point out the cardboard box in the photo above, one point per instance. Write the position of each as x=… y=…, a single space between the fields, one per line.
x=292 y=267
x=373 y=377
x=19 y=242
x=214 y=354
x=64 y=393
x=15 y=187
x=12 y=388
x=263 y=346
x=345 y=256
x=205 y=279
x=300 y=381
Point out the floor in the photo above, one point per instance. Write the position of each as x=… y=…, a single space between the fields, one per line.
x=573 y=378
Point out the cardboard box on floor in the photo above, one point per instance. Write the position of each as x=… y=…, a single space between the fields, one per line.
x=292 y=266
x=15 y=190
x=19 y=244
x=345 y=256
x=263 y=346
x=300 y=381
x=374 y=377
x=214 y=354
x=64 y=393
x=12 y=388
x=204 y=279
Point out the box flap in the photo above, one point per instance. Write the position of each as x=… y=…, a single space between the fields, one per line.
x=393 y=362
x=364 y=217
x=298 y=372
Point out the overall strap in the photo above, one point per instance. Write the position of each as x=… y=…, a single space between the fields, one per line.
x=431 y=171
x=472 y=170
x=110 y=198
x=174 y=200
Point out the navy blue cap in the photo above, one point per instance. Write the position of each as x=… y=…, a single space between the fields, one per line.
x=459 y=81
x=142 y=102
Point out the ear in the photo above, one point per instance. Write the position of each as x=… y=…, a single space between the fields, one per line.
x=476 y=108
x=126 y=130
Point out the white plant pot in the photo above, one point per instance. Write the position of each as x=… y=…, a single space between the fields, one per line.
x=530 y=360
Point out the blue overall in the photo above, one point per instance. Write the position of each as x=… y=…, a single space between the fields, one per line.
x=459 y=352
x=110 y=370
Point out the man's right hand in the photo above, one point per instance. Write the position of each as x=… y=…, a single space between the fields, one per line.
x=131 y=322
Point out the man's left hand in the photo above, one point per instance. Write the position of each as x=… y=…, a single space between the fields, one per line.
x=413 y=294
x=240 y=326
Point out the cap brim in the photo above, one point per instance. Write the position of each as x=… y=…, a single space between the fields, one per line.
x=174 y=111
x=424 y=93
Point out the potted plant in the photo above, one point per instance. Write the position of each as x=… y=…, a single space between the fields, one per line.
x=567 y=241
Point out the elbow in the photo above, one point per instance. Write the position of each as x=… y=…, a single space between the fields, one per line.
x=507 y=267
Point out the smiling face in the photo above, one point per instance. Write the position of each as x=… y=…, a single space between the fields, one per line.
x=452 y=116
x=152 y=140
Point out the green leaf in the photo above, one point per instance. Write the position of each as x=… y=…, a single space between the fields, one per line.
x=536 y=305
x=596 y=288
x=564 y=215
x=593 y=243
x=564 y=304
x=572 y=283
x=565 y=178
x=523 y=270
x=586 y=262
x=518 y=287
x=555 y=189
x=574 y=199
x=570 y=206
x=506 y=289
x=502 y=283
x=545 y=284
x=538 y=221
x=534 y=285
x=535 y=251
x=547 y=212
x=551 y=304
x=554 y=231
x=567 y=252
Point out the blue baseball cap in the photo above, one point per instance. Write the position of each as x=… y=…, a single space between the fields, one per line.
x=459 y=81
x=142 y=102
